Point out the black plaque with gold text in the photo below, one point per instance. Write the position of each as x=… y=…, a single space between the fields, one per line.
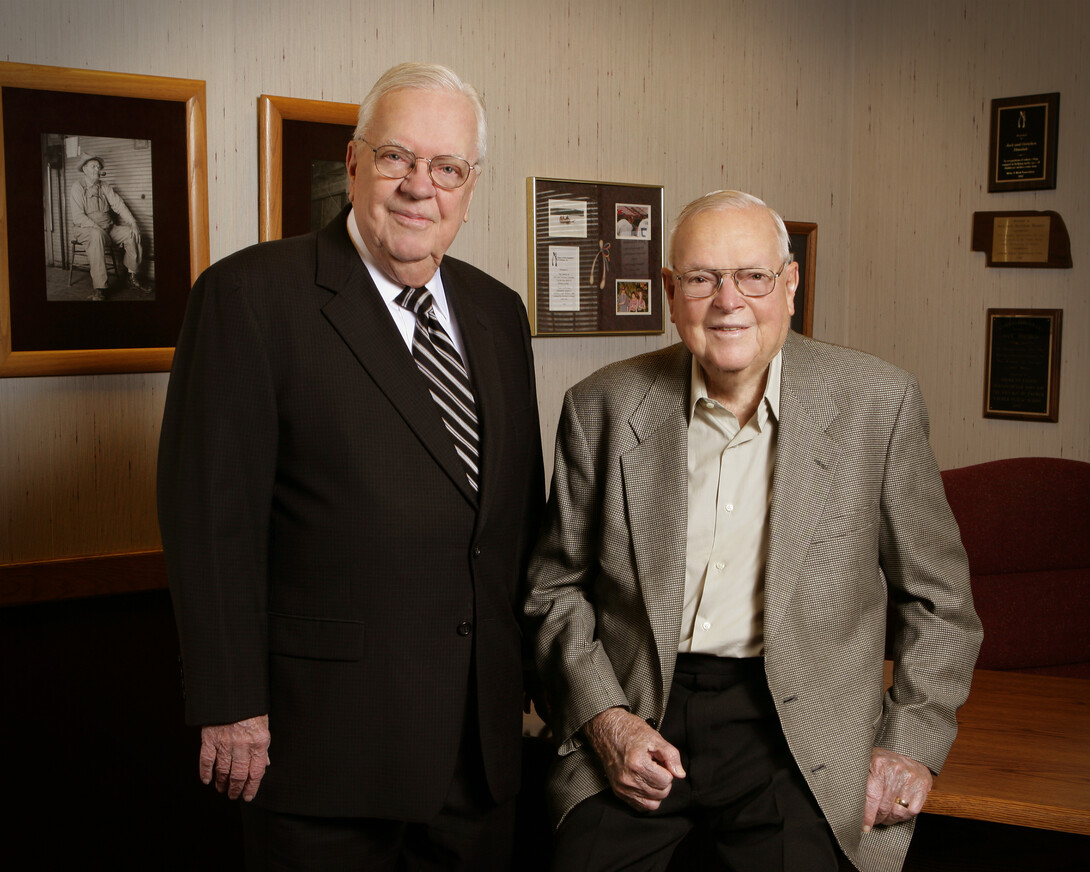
x=1023 y=364
x=1023 y=143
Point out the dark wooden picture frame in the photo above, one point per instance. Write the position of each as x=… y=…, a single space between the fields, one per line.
x=1023 y=143
x=803 y=236
x=38 y=337
x=1022 y=360
x=589 y=245
x=291 y=134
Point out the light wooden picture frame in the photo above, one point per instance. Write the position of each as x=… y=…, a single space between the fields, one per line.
x=317 y=123
x=167 y=115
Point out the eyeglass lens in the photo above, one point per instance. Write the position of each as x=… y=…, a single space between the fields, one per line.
x=751 y=282
x=446 y=170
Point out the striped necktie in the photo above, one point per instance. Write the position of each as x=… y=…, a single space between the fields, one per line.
x=448 y=382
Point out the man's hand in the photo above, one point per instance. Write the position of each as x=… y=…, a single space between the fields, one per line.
x=236 y=756
x=640 y=764
x=896 y=788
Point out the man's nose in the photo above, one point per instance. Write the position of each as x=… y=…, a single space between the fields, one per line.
x=728 y=297
x=419 y=182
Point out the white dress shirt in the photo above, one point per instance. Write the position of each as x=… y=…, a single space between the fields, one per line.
x=389 y=289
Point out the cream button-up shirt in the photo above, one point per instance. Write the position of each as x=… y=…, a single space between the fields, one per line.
x=730 y=492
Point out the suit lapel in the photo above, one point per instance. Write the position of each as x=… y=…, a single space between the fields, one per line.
x=359 y=315
x=806 y=459
x=655 y=474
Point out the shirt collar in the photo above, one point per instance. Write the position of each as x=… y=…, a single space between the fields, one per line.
x=389 y=289
x=770 y=402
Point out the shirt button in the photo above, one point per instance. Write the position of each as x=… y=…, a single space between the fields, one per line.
x=706 y=625
x=465 y=628
x=729 y=507
x=720 y=565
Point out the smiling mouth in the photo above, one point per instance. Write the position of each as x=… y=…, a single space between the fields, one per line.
x=412 y=219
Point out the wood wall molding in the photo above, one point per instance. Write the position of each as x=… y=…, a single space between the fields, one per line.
x=48 y=580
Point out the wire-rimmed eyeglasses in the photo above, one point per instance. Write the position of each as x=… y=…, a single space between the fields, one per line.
x=751 y=281
x=446 y=170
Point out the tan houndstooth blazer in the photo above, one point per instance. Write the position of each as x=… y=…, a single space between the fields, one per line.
x=858 y=519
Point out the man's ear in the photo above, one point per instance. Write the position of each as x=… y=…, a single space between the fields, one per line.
x=668 y=286
x=351 y=165
x=469 y=196
x=791 y=280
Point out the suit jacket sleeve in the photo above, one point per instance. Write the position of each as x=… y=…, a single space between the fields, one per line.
x=217 y=461
x=577 y=673
x=935 y=630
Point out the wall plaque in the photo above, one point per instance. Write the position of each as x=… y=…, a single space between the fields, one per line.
x=1022 y=379
x=1022 y=156
x=1022 y=239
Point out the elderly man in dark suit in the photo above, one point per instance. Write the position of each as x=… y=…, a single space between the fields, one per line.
x=729 y=519
x=350 y=481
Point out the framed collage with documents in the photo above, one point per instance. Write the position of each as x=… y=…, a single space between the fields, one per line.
x=596 y=252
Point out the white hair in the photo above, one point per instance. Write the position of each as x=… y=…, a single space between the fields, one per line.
x=422 y=77
x=721 y=201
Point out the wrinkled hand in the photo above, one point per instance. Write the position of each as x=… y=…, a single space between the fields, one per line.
x=894 y=776
x=235 y=756
x=640 y=764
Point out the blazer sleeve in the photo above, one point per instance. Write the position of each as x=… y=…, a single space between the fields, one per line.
x=217 y=459
x=935 y=632
x=575 y=669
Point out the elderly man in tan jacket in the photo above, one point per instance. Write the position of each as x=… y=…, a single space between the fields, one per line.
x=730 y=518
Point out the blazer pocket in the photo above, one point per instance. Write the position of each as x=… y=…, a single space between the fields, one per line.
x=315 y=638
x=842 y=526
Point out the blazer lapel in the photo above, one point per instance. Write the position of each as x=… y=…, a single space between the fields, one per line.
x=805 y=460
x=357 y=312
x=655 y=474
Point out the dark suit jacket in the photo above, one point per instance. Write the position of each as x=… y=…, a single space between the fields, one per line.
x=328 y=561
x=858 y=519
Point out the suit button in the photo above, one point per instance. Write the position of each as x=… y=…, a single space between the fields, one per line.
x=465 y=628
x=476 y=551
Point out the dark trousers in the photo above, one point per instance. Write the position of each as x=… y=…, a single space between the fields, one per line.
x=743 y=805
x=471 y=833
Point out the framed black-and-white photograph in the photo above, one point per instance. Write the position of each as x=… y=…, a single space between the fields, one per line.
x=103 y=191
x=98 y=218
x=596 y=257
x=803 y=238
x=302 y=178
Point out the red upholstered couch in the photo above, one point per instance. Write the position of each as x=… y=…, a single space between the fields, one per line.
x=1025 y=523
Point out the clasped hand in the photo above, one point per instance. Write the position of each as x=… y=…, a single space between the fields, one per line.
x=640 y=764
